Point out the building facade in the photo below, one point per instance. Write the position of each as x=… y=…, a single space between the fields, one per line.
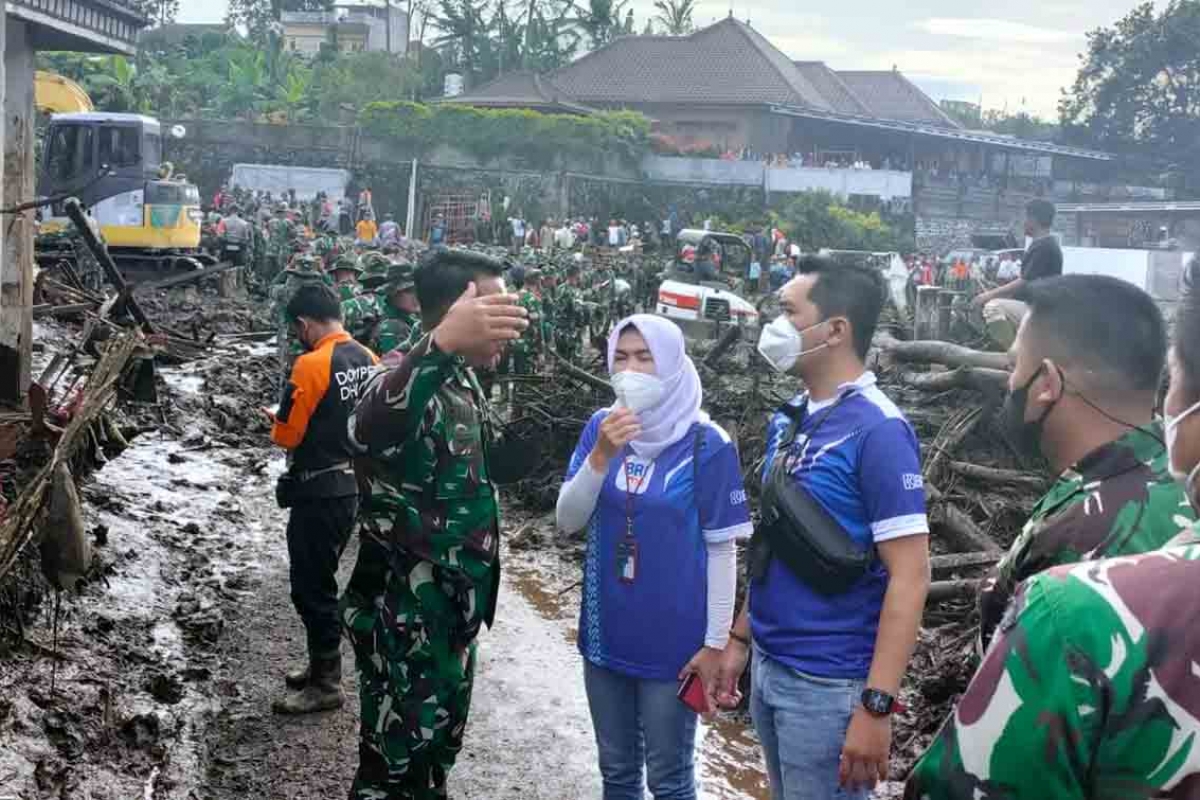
x=351 y=28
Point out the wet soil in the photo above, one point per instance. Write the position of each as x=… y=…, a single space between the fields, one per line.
x=171 y=656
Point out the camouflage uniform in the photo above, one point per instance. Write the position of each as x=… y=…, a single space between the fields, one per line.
x=568 y=321
x=303 y=270
x=525 y=351
x=1089 y=691
x=1119 y=500
x=396 y=327
x=427 y=574
x=280 y=233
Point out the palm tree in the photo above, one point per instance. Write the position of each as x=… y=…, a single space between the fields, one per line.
x=675 y=16
x=464 y=31
x=601 y=21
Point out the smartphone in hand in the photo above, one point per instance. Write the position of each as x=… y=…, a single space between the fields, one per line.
x=692 y=694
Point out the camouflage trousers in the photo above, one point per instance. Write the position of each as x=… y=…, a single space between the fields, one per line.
x=415 y=678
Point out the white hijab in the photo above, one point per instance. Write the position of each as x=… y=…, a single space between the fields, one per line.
x=670 y=420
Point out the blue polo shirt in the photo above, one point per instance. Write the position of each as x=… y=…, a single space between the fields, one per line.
x=862 y=464
x=651 y=627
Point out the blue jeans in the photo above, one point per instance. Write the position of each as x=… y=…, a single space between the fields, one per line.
x=802 y=720
x=636 y=722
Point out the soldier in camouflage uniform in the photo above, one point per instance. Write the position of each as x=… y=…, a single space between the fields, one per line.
x=281 y=235
x=303 y=269
x=399 y=311
x=1089 y=689
x=1114 y=494
x=569 y=315
x=527 y=351
x=345 y=271
x=360 y=313
x=428 y=570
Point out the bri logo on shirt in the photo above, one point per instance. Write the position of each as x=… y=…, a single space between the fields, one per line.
x=635 y=477
x=913 y=481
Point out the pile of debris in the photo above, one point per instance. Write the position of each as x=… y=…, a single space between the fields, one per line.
x=69 y=431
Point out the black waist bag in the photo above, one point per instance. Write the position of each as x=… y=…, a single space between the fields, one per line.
x=797 y=530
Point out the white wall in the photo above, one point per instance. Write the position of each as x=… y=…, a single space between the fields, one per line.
x=842 y=182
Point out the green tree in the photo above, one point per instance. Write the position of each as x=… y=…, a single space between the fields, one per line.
x=159 y=12
x=464 y=37
x=1138 y=89
x=816 y=219
x=675 y=16
x=600 y=20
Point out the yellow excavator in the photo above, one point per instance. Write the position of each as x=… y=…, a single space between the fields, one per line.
x=113 y=164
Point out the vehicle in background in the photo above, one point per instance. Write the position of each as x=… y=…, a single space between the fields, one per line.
x=699 y=288
x=113 y=163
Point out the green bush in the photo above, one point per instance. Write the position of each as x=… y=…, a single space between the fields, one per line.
x=540 y=139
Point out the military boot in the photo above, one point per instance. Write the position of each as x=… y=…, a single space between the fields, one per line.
x=297 y=677
x=323 y=691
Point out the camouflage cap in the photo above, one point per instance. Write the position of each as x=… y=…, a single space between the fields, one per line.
x=304 y=264
x=346 y=262
x=375 y=268
x=399 y=278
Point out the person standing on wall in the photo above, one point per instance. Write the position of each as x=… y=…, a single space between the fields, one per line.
x=1004 y=307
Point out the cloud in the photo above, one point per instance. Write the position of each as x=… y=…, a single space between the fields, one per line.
x=997 y=30
x=1015 y=75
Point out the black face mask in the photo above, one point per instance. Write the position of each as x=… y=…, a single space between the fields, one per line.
x=1024 y=436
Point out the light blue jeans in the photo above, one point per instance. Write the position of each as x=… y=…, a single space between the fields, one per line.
x=641 y=722
x=802 y=720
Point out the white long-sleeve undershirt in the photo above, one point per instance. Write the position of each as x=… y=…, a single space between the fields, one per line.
x=577 y=503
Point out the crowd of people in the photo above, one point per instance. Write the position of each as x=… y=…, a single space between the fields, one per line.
x=1085 y=687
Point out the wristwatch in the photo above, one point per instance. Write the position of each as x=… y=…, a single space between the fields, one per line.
x=881 y=704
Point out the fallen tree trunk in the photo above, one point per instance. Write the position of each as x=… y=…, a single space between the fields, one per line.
x=941 y=591
x=187 y=277
x=946 y=353
x=978 y=378
x=957 y=427
x=997 y=475
x=949 y=563
x=580 y=375
x=960 y=533
x=51 y=310
x=93 y=243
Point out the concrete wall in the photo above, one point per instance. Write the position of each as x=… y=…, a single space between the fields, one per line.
x=16 y=247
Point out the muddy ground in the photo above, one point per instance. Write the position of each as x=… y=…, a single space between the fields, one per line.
x=169 y=657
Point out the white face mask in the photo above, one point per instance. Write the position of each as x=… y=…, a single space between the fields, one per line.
x=782 y=345
x=1171 y=428
x=637 y=391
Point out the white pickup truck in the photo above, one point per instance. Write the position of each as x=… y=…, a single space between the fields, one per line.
x=693 y=293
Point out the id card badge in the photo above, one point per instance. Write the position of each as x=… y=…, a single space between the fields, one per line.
x=627 y=560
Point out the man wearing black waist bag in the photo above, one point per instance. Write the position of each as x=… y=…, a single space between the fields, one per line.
x=835 y=603
x=319 y=486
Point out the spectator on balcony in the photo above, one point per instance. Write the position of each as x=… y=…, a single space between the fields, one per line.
x=1004 y=307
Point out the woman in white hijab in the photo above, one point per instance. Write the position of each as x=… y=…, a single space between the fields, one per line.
x=659 y=489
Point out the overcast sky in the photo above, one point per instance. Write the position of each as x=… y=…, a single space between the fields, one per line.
x=1015 y=54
